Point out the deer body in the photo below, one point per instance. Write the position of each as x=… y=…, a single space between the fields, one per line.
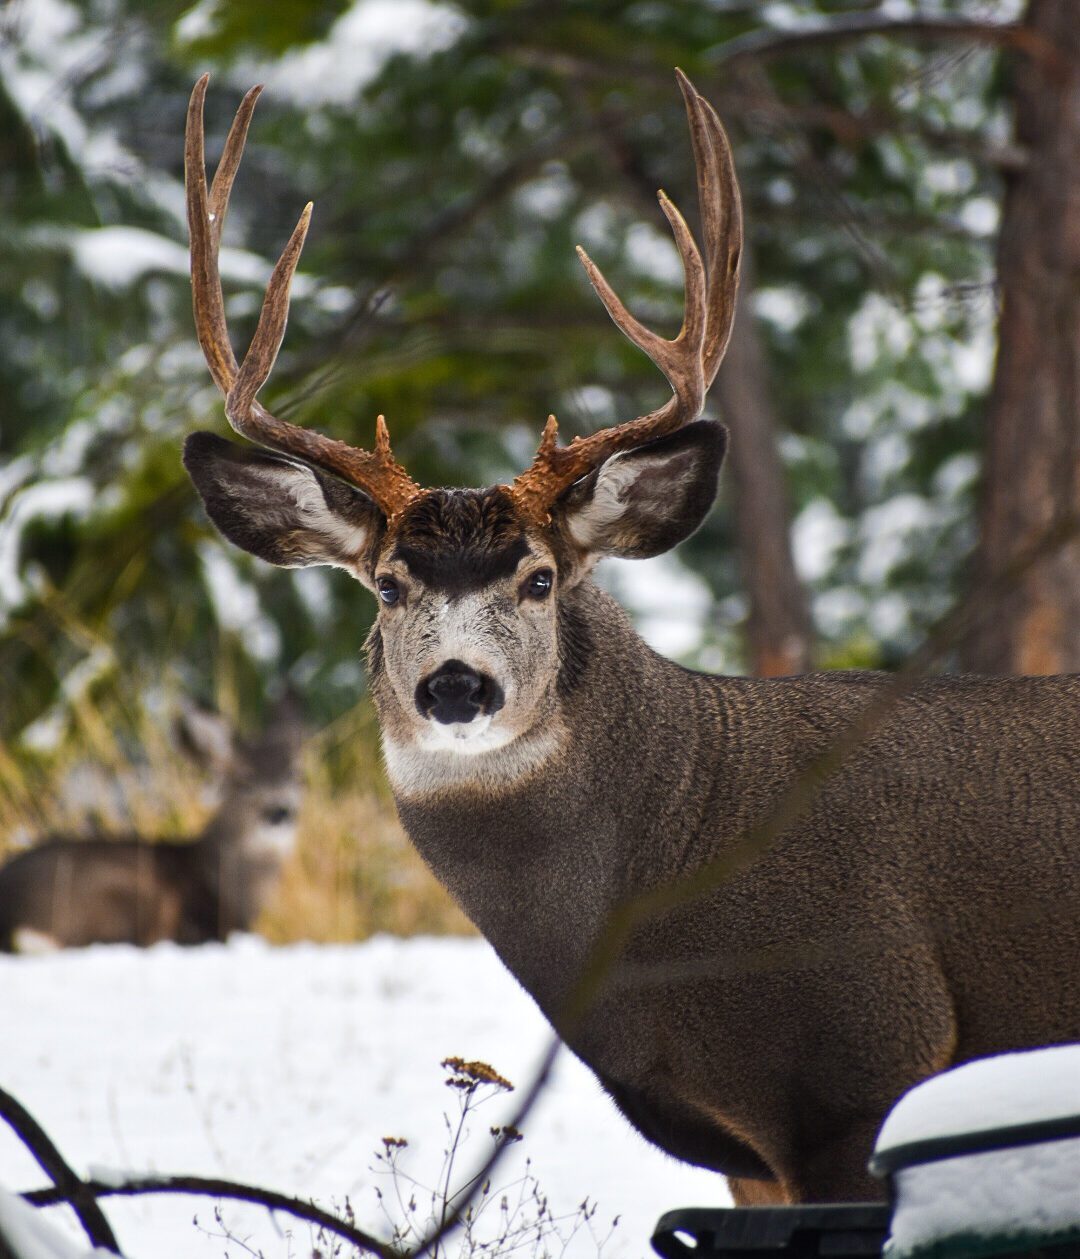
x=895 y=930
x=124 y=891
x=919 y=909
x=67 y=893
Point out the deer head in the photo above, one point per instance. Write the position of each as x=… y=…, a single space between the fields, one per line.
x=474 y=643
x=258 y=779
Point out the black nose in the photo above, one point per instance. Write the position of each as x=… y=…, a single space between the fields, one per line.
x=454 y=692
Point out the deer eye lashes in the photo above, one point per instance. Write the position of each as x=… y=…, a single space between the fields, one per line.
x=538 y=585
x=389 y=590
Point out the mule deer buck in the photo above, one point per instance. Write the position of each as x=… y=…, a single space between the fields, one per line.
x=70 y=892
x=923 y=908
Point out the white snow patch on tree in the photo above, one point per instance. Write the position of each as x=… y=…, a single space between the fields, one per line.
x=358 y=45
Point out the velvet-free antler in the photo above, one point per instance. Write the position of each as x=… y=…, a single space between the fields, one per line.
x=691 y=361
x=376 y=472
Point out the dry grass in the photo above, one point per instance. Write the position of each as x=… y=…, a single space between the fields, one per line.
x=354 y=872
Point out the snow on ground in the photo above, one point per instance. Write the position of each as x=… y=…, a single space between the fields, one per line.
x=285 y=1068
x=29 y=1235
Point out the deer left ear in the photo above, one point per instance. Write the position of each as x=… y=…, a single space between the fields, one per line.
x=645 y=501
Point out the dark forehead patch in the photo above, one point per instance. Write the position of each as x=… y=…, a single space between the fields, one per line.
x=458 y=540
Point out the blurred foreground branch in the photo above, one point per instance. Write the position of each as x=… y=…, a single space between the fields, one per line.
x=211 y=1187
x=66 y=1185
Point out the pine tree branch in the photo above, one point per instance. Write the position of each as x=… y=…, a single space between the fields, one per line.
x=852 y=129
x=764 y=44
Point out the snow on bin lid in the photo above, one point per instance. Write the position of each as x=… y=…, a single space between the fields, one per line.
x=989 y=1093
x=985 y=1159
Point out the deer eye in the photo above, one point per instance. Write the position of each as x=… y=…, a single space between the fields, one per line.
x=276 y=815
x=538 y=586
x=389 y=590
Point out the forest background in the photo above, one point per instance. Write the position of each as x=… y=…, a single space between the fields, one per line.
x=903 y=389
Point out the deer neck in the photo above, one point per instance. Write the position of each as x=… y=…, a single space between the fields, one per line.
x=234 y=877
x=539 y=844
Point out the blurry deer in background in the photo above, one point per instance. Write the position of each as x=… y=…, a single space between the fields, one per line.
x=70 y=892
x=923 y=907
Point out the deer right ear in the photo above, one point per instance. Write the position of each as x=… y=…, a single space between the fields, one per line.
x=644 y=501
x=283 y=512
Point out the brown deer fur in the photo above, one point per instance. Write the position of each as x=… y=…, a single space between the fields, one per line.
x=66 y=893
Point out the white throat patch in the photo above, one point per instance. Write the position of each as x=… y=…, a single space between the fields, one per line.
x=266 y=840
x=446 y=758
x=464 y=738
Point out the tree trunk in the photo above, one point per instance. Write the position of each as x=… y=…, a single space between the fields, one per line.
x=778 y=628
x=1032 y=457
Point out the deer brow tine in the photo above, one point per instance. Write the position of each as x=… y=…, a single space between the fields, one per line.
x=265 y=344
x=207 y=301
x=230 y=163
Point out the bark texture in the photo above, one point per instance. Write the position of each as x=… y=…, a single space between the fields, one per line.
x=1032 y=463
x=778 y=630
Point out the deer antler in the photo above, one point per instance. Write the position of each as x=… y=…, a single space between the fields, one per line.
x=691 y=361
x=376 y=472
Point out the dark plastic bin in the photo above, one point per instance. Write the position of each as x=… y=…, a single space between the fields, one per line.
x=841 y=1232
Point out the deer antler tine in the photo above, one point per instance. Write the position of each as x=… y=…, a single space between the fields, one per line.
x=632 y=328
x=265 y=344
x=705 y=160
x=693 y=327
x=194 y=147
x=721 y=220
x=230 y=162
x=691 y=360
x=207 y=301
x=377 y=473
x=656 y=347
x=728 y=249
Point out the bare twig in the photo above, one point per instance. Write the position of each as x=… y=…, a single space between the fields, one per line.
x=68 y=1187
x=807 y=953
x=450 y=1221
x=206 y=1187
x=850 y=128
x=735 y=98
x=416 y=252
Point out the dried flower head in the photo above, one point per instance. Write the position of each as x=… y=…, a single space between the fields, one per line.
x=467 y=1075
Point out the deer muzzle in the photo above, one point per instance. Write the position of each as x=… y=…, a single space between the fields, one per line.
x=457 y=693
